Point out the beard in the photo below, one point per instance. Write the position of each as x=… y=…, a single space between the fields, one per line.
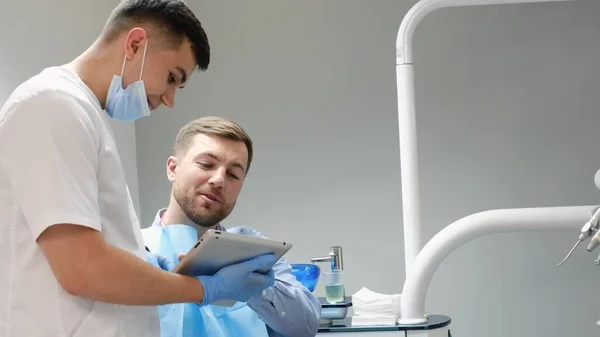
x=202 y=215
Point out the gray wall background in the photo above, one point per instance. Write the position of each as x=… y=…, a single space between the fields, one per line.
x=500 y=90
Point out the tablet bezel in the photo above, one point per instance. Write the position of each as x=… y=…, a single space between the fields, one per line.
x=217 y=249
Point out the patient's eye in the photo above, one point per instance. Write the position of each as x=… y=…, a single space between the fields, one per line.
x=205 y=165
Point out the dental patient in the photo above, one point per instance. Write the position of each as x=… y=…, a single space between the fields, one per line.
x=211 y=159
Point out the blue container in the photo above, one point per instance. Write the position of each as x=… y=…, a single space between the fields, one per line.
x=307 y=274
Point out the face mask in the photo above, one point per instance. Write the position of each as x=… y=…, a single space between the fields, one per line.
x=130 y=103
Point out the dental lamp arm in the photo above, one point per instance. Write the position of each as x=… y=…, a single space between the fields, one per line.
x=424 y=7
x=409 y=167
x=468 y=228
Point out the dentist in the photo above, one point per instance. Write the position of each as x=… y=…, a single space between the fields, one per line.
x=74 y=262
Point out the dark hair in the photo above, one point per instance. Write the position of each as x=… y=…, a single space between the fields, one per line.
x=173 y=17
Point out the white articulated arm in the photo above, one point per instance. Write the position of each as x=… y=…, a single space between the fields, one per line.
x=471 y=227
x=406 y=116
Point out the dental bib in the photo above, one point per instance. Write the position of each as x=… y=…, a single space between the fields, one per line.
x=189 y=319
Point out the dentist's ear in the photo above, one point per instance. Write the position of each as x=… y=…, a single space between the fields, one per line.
x=171 y=168
x=135 y=42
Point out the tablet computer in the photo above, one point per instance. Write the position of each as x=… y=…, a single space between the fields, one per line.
x=217 y=249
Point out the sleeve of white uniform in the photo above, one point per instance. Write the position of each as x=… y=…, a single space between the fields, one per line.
x=49 y=152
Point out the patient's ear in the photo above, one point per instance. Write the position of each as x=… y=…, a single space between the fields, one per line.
x=171 y=168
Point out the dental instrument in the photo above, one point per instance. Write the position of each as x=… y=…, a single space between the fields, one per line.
x=592 y=246
x=589 y=228
x=595 y=242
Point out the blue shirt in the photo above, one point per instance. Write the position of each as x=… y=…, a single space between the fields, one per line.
x=288 y=308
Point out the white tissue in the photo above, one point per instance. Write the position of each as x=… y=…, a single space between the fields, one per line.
x=372 y=308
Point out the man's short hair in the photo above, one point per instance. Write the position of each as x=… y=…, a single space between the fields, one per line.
x=212 y=126
x=173 y=20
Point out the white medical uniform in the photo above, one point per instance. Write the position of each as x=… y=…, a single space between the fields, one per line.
x=59 y=164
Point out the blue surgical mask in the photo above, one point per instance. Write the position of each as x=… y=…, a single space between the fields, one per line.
x=131 y=103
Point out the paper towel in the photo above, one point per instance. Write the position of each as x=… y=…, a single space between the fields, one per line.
x=372 y=308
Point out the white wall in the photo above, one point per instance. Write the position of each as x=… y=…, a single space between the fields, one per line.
x=32 y=40
x=507 y=100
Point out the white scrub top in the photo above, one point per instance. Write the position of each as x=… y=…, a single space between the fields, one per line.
x=59 y=164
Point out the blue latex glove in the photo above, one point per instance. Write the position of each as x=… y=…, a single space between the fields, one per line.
x=160 y=261
x=238 y=282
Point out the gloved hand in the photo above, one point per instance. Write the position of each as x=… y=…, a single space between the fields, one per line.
x=238 y=282
x=160 y=261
